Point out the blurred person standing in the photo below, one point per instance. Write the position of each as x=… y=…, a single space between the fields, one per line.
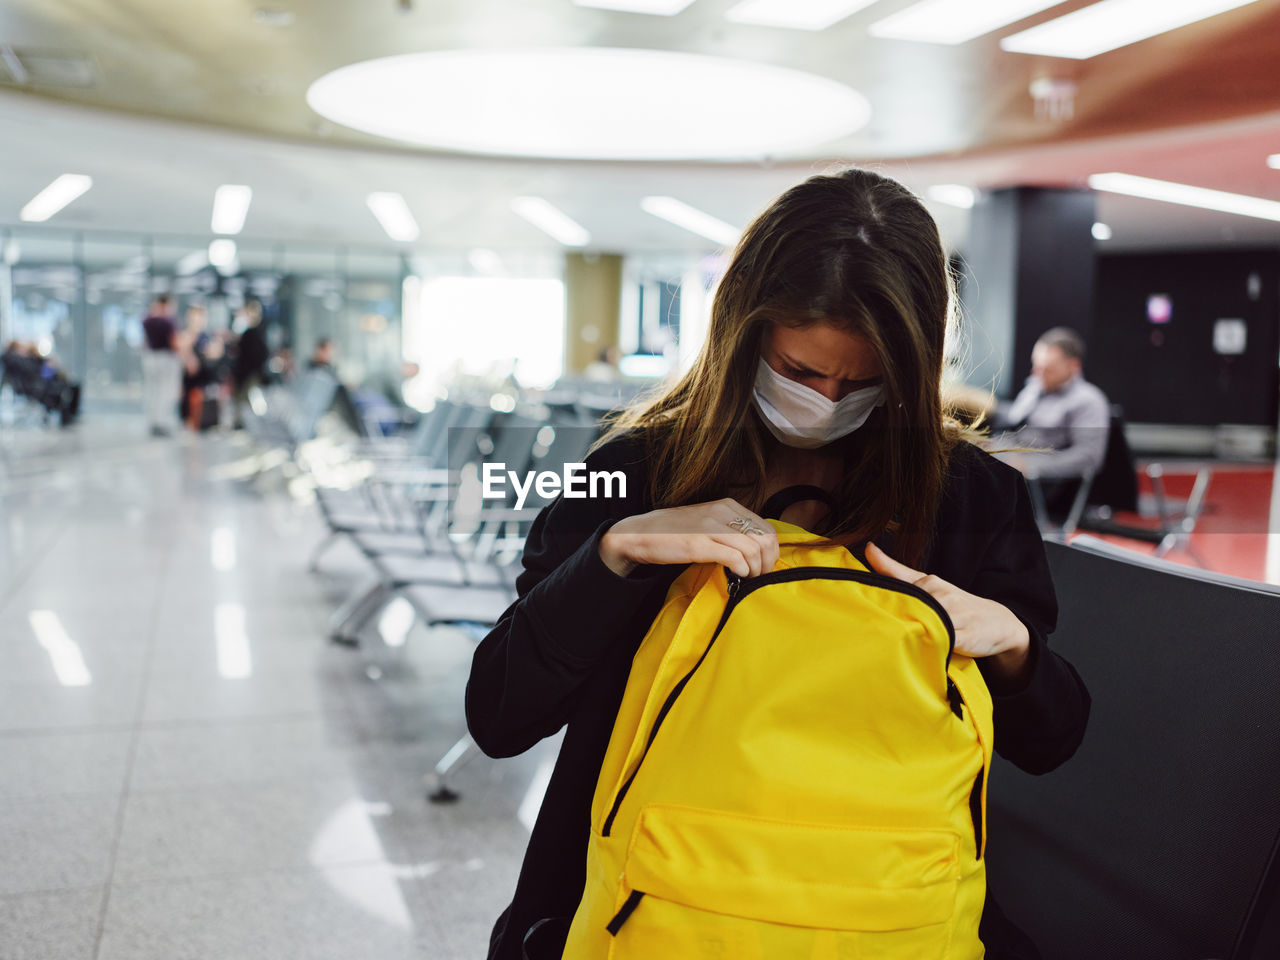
x=161 y=367
x=250 y=364
x=197 y=371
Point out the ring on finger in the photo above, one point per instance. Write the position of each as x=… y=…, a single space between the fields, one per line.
x=744 y=525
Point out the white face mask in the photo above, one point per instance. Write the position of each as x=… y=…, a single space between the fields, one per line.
x=802 y=417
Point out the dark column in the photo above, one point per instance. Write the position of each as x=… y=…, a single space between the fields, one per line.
x=1031 y=267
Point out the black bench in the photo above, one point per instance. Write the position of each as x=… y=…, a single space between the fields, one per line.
x=1157 y=841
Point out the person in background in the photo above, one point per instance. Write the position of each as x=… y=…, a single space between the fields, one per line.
x=31 y=374
x=321 y=355
x=197 y=373
x=605 y=367
x=249 y=367
x=161 y=367
x=1059 y=414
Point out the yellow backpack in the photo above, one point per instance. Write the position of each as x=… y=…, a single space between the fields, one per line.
x=797 y=770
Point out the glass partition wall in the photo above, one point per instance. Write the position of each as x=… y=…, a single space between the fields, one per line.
x=81 y=297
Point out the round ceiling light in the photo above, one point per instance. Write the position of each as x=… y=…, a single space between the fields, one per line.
x=590 y=103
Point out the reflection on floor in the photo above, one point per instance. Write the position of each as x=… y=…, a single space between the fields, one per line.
x=187 y=768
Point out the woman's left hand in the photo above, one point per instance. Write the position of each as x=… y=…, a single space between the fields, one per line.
x=983 y=627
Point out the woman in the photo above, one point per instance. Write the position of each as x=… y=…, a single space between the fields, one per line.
x=821 y=367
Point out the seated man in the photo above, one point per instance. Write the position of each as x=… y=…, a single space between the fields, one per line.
x=1061 y=414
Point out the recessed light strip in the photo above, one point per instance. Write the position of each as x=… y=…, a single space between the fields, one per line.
x=1188 y=196
x=953 y=194
x=55 y=196
x=230 y=207
x=551 y=221
x=659 y=8
x=955 y=21
x=794 y=14
x=1112 y=24
x=691 y=219
x=394 y=216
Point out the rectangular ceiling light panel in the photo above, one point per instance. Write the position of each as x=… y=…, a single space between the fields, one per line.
x=230 y=207
x=551 y=221
x=55 y=196
x=1186 y=195
x=794 y=14
x=691 y=219
x=953 y=194
x=955 y=21
x=394 y=216
x=659 y=8
x=1112 y=24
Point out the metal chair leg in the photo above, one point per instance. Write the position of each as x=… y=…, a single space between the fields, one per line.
x=1177 y=533
x=314 y=564
x=462 y=751
x=345 y=624
x=1077 y=506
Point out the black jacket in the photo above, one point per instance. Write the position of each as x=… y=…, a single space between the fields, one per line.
x=561 y=654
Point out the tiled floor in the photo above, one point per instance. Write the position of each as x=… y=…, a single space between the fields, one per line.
x=187 y=768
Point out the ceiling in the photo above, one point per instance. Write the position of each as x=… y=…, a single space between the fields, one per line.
x=160 y=107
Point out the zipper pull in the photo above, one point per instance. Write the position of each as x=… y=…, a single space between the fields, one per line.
x=954 y=698
x=734 y=582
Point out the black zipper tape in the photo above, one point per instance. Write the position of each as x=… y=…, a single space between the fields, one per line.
x=740 y=587
x=625 y=913
x=975 y=811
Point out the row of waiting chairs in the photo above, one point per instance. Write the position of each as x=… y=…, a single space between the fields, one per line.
x=419 y=520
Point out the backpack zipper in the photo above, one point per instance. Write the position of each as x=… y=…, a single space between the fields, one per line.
x=739 y=588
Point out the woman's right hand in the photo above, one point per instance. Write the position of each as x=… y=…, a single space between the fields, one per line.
x=699 y=533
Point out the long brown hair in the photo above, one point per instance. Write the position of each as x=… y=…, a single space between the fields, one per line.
x=858 y=250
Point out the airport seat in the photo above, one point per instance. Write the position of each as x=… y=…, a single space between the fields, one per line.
x=433 y=551
x=1112 y=487
x=1047 y=514
x=1115 y=508
x=1116 y=484
x=1158 y=840
x=456 y=566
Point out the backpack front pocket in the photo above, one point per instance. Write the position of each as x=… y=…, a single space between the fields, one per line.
x=698 y=883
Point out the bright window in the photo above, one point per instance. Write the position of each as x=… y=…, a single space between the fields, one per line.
x=488 y=327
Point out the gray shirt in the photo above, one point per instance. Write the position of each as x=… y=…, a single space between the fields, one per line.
x=1072 y=422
